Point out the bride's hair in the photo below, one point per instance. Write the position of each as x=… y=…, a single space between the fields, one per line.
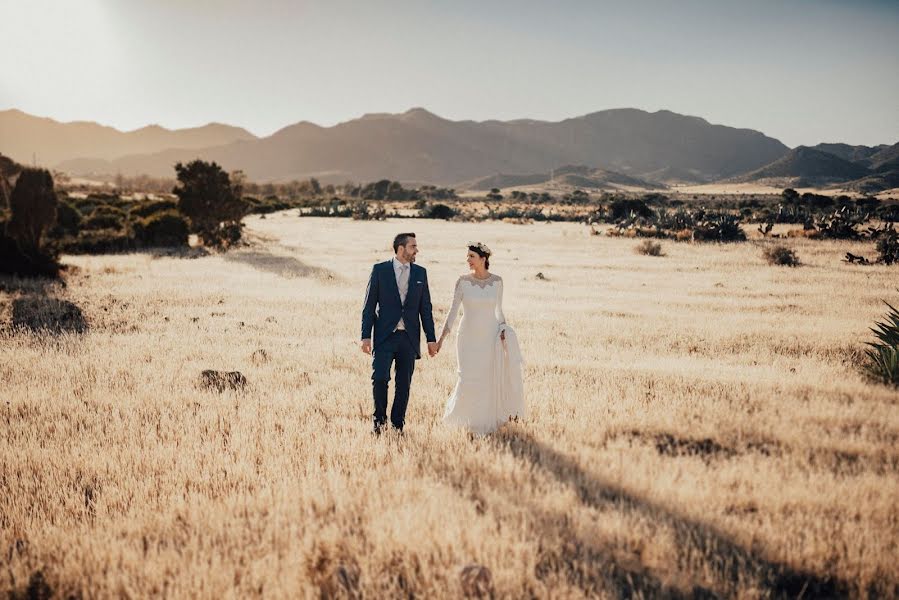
x=482 y=251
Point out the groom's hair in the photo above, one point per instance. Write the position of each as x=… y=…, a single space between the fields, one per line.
x=400 y=240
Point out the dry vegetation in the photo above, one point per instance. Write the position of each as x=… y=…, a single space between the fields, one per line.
x=698 y=425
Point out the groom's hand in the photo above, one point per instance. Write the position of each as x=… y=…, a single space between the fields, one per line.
x=366 y=346
x=433 y=349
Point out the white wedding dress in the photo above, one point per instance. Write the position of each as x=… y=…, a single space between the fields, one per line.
x=489 y=388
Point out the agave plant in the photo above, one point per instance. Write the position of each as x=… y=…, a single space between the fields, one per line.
x=883 y=355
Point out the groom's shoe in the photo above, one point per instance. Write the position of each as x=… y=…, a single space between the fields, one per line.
x=378 y=428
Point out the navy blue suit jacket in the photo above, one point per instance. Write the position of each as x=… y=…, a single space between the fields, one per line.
x=383 y=309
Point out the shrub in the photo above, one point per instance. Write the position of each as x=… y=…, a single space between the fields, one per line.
x=68 y=220
x=437 y=211
x=888 y=246
x=720 y=227
x=229 y=233
x=103 y=221
x=842 y=224
x=649 y=248
x=269 y=204
x=888 y=213
x=99 y=241
x=361 y=211
x=781 y=255
x=108 y=210
x=883 y=355
x=15 y=262
x=85 y=206
x=624 y=207
x=167 y=228
x=152 y=207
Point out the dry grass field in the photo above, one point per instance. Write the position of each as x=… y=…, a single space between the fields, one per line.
x=697 y=427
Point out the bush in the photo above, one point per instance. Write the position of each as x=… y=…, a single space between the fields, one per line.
x=85 y=206
x=624 y=207
x=888 y=246
x=720 y=227
x=108 y=210
x=68 y=220
x=781 y=255
x=269 y=204
x=361 y=211
x=15 y=262
x=152 y=207
x=168 y=228
x=888 y=213
x=883 y=355
x=649 y=248
x=437 y=211
x=103 y=221
x=229 y=234
x=100 y=241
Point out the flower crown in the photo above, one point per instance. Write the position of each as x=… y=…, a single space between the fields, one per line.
x=482 y=247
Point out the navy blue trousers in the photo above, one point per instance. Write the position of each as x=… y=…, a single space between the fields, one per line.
x=398 y=350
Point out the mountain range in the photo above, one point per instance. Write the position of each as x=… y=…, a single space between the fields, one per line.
x=611 y=148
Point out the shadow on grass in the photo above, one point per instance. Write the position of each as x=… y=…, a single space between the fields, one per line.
x=41 y=314
x=283 y=266
x=35 y=307
x=591 y=566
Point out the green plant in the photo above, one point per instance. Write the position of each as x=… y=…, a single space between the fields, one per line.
x=103 y=221
x=883 y=354
x=781 y=255
x=167 y=228
x=888 y=246
x=152 y=207
x=437 y=211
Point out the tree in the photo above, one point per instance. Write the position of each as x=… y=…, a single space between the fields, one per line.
x=33 y=207
x=32 y=204
x=790 y=196
x=494 y=195
x=211 y=202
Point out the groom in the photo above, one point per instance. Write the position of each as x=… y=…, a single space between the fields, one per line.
x=396 y=298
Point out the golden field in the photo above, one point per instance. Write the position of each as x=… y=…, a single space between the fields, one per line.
x=698 y=425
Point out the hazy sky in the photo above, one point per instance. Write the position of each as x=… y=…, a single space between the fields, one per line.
x=803 y=71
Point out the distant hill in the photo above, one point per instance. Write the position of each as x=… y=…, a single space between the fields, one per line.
x=579 y=176
x=850 y=153
x=808 y=165
x=23 y=136
x=676 y=175
x=419 y=146
x=873 y=184
x=886 y=159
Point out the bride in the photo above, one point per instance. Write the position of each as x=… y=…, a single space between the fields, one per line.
x=489 y=388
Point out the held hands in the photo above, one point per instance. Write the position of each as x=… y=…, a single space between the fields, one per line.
x=433 y=349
